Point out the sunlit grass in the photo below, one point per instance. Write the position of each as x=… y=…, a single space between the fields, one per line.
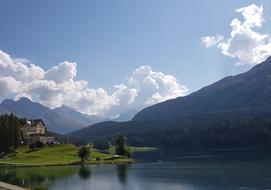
x=63 y=154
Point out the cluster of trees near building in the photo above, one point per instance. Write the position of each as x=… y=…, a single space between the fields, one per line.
x=10 y=134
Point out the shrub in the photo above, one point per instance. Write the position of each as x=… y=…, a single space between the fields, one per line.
x=39 y=144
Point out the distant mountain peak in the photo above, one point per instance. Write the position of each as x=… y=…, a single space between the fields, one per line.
x=21 y=100
x=24 y=99
x=64 y=107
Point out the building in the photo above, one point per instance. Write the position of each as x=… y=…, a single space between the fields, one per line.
x=34 y=131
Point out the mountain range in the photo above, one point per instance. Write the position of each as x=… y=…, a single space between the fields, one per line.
x=59 y=120
x=233 y=100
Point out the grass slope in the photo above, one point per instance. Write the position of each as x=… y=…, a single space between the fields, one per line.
x=49 y=155
x=64 y=154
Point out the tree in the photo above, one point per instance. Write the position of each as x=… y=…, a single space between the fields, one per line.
x=121 y=146
x=84 y=153
x=10 y=135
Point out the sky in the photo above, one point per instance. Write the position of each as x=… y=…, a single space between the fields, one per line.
x=110 y=57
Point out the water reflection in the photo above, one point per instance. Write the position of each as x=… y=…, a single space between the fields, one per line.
x=190 y=171
x=84 y=172
x=35 y=177
x=122 y=173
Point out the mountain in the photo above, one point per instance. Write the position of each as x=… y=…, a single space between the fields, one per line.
x=233 y=112
x=85 y=119
x=23 y=107
x=60 y=120
x=247 y=91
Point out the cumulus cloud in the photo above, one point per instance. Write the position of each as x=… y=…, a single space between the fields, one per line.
x=57 y=86
x=154 y=87
x=8 y=85
x=19 y=70
x=210 y=41
x=245 y=42
x=65 y=71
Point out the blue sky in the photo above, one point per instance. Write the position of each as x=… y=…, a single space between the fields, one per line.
x=110 y=39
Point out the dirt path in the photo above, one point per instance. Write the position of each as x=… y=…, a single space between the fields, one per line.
x=6 y=186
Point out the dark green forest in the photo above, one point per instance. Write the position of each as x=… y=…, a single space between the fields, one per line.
x=220 y=130
x=10 y=136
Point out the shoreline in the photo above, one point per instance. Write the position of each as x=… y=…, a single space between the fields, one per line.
x=119 y=161
x=101 y=162
x=63 y=155
x=57 y=155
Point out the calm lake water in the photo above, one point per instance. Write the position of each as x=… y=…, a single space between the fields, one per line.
x=161 y=170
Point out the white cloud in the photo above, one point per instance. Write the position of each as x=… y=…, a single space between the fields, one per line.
x=210 y=41
x=8 y=85
x=19 y=70
x=65 y=71
x=245 y=43
x=57 y=86
x=154 y=87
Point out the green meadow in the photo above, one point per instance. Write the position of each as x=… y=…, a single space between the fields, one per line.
x=53 y=155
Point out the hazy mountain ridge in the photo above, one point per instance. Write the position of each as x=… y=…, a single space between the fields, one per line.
x=85 y=119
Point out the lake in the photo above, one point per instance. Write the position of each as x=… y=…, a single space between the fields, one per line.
x=157 y=170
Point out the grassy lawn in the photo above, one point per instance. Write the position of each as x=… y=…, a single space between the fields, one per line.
x=64 y=154
x=50 y=154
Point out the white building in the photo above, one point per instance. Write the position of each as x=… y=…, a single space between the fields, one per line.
x=35 y=130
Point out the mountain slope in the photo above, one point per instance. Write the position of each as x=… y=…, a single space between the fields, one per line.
x=235 y=102
x=250 y=90
x=61 y=120
x=84 y=119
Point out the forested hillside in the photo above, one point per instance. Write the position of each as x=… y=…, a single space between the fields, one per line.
x=231 y=130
